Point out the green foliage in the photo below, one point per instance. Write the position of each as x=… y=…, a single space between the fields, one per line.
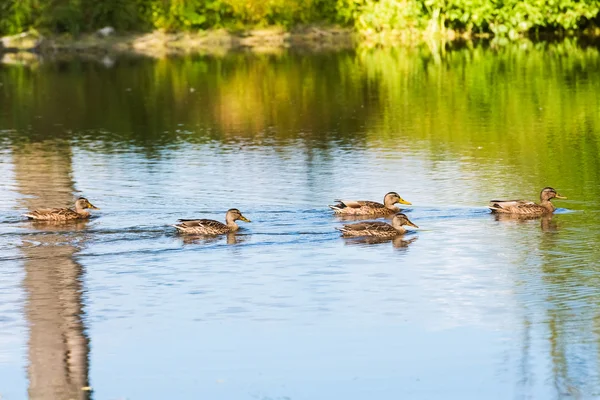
x=204 y=14
x=182 y=14
x=508 y=18
x=121 y=14
x=390 y=16
x=501 y=18
x=15 y=16
x=348 y=11
x=514 y=17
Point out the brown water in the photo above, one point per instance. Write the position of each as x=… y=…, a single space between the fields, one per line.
x=467 y=307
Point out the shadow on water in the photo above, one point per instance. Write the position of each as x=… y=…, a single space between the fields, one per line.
x=229 y=239
x=59 y=226
x=547 y=222
x=401 y=242
x=343 y=218
x=58 y=344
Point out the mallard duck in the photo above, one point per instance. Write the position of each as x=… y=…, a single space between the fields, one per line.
x=63 y=214
x=212 y=227
x=362 y=207
x=525 y=207
x=378 y=229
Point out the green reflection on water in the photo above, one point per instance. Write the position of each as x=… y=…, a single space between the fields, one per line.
x=531 y=108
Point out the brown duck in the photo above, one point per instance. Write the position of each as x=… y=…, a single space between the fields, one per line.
x=525 y=207
x=378 y=229
x=63 y=214
x=364 y=207
x=212 y=227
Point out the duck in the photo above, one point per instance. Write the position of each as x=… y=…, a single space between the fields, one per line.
x=63 y=214
x=524 y=207
x=212 y=227
x=377 y=228
x=365 y=207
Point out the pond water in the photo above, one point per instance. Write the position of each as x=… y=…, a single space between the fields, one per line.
x=466 y=307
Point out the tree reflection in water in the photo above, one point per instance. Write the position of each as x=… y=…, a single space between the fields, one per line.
x=58 y=345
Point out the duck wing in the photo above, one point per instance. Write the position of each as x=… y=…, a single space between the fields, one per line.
x=515 y=206
x=368 y=228
x=340 y=204
x=371 y=204
x=356 y=204
x=207 y=223
x=52 y=213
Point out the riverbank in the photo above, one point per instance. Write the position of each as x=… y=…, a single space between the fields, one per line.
x=159 y=44
x=106 y=44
